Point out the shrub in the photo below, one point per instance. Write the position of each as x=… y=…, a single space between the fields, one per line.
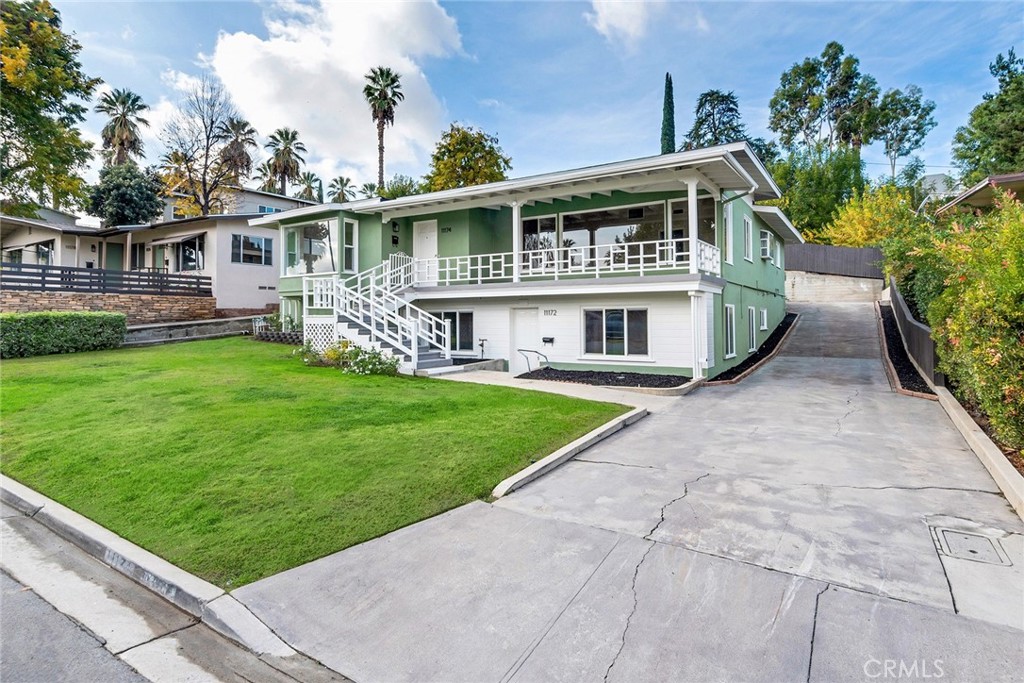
x=865 y=220
x=978 y=320
x=356 y=360
x=40 y=334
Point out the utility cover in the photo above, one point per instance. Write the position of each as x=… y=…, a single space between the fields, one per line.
x=964 y=545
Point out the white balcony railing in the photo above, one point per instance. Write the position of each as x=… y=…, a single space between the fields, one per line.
x=631 y=258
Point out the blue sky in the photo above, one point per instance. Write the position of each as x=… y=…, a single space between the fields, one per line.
x=562 y=84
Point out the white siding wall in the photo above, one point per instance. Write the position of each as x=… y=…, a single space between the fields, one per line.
x=669 y=337
x=242 y=285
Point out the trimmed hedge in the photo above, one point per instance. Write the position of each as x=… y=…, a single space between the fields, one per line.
x=40 y=334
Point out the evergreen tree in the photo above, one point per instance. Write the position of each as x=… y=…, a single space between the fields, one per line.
x=668 y=118
x=716 y=121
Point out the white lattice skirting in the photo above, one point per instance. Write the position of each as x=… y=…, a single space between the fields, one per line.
x=319 y=333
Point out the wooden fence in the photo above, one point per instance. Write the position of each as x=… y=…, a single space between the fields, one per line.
x=917 y=338
x=39 y=278
x=829 y=260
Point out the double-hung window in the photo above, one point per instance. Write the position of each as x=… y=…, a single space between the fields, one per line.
x=248 y=249
x=460 y=324
x=349 y=238
x=751 y=329
x=748 y=238
x=764 y=318
x=615 y=331
x=730 y=331
x=728 y=232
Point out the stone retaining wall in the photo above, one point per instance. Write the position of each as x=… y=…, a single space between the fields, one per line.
x=139 y=308
x=815 y=287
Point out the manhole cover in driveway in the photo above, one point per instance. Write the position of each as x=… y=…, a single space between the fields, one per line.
x=964 y=545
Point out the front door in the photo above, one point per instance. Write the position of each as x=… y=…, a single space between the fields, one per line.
x=525 y=337
x=424 y=250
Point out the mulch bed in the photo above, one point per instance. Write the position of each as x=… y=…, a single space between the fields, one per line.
x=909 y=378
x=467 y=361
x=608 y=379
x=766 y=350
x=1014 y=455
x=292 y=338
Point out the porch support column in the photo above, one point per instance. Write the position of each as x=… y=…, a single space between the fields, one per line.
x=78 y=246
x=691 y=210
x=698 y=336
x=517 y=239
x=126 y=265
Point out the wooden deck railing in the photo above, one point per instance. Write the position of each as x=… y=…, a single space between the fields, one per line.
x=32 y=277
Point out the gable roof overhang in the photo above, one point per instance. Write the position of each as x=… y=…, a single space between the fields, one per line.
x=724 y=167
x=777 y=221
x=983 y=193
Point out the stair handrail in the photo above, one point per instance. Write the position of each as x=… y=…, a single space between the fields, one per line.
x=355 y=305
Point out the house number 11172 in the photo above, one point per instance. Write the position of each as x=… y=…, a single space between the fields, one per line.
x=550 y=311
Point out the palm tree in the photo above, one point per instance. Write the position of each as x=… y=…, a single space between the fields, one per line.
x=121 y=135
x=383 y=92
x=368 y=190
x=239 y=137
x=286 y=159
x=265 y=175
x=308 y=182
x=341 y=189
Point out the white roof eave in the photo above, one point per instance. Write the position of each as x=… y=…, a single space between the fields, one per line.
x=773 y=216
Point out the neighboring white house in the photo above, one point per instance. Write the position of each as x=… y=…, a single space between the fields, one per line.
x=241 y=200
x=239 y=259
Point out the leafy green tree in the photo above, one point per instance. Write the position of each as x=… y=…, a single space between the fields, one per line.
x=668 y=118
x=401 y=186
x=42 y=153
x=126 y=195
x=308 y=184
x=122 y=139
x=992 y=142
x=815 y=183
x=904 y=119
x=341 y=189
x=368 y=190
x=194 y=136
x=867 y=219
x=716 y=121
x=766 y=150
x=286 y=152
x=383 y=92
x=466 y=156
x=239 y=137
x=825 y=98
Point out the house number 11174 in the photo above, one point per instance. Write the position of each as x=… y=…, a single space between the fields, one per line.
x=550 y=311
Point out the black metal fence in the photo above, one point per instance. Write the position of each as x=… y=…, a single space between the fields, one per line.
x=917 y=338
x=829 y=260
x=37 y=278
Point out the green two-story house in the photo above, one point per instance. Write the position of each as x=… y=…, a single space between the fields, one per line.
x=663 y=264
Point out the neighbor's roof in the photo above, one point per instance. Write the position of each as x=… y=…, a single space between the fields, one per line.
x=777 y=221
x=730 y=167
x=19 y=222
x=184 y=221
x=983 y=193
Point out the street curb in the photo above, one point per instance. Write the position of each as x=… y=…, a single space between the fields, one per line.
x=1006 y=476
x=681 y=390
x=203 y=600
x=567 y=452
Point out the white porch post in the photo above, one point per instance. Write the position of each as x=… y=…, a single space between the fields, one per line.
x=691 y=210
x=698 y=321
x=78 y=246
x=127 y=264
x=517 y=239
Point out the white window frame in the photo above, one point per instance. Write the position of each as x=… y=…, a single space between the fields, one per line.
x=730 y=331
x=764 y=318
x=558 y=227
x=751 y=329
x=345 y=246
x=748 y=239
x=458 y=313
x=727 y=220
x=777 y=253
x=263 y=250
x=766 y=245
x=261 y=208
x=626 y=355
x=178 y=249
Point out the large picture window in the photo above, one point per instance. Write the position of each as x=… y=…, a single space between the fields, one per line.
x=539 y=233
x=615 y=331
x=461 y=326
x=248 y=249
x=311 y=248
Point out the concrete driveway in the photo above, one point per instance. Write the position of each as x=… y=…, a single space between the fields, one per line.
x=807 y=524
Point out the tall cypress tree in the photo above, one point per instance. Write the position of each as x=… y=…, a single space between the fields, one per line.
x=668 y=119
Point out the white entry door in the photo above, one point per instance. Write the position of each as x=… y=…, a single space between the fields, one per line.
x=424 y=250
x=524 y=336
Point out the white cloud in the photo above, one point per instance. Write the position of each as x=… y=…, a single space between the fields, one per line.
x=624 y=21
x=307 y=74
x=179 y=81
x=127 y=33
x=700 y=21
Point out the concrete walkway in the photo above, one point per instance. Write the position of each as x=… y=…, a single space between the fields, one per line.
x=806 y=524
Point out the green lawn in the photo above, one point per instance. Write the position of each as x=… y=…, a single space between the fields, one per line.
x=235 y=461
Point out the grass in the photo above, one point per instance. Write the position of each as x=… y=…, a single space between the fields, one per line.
x=235 y=461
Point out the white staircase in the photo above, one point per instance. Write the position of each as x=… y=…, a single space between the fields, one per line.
x=366 y=310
